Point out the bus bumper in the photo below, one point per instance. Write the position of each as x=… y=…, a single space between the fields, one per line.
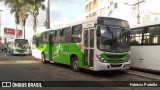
x=98 y=66
x=21 y=53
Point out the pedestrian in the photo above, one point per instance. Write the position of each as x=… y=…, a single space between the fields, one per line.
x=5 y=51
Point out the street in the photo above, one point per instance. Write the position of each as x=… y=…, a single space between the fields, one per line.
x=27 y=68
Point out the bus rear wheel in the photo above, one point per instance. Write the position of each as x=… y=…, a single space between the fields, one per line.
x=74 y=64
x=43 y=58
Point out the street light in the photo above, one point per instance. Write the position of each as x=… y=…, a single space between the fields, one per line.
x=138 y=10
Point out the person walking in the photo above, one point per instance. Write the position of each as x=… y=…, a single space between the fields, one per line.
x=5 y=51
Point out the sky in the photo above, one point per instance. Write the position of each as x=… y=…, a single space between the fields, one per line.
x=60 y=11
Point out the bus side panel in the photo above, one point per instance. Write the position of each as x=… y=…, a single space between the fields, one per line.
x=63 y=52
x=56 y=50
x=145 y=57
x=75 y=49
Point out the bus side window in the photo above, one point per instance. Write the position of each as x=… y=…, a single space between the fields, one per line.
x=151 y=35
x=44 y=38
x=67 y=35
x=53 y=39
x=57 y=37
x=62 y=36
x=76 y=34
x=136 y=36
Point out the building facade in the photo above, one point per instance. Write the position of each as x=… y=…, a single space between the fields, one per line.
x=95 y=7
x=134 y=11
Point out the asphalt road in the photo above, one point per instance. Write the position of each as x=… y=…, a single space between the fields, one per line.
x=27 y=68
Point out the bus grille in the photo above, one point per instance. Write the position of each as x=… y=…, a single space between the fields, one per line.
x=20 y=51
x=115 y=58
x=115 y=61
x=117 y=65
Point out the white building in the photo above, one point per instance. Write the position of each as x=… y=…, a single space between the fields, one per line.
x=148 y=10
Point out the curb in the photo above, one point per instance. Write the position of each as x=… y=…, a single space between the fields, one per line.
x=143 y=74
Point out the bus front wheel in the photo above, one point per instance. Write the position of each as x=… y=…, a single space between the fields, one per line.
x=74 y=64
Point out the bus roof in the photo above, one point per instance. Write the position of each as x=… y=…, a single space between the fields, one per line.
x=75 y=23
x=146 y=24
x=92 y=19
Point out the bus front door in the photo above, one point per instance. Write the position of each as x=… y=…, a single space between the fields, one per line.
x=88 y=47
x=51 y=44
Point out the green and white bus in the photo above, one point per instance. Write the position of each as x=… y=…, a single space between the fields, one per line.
x=18 y=47
x=98 y=43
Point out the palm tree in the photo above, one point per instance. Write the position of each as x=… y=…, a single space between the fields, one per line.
x=21 y=7
x=23 y=16
x=33 y=7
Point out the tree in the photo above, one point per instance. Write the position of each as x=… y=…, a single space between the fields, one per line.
x=33 y=7
x=21 y=7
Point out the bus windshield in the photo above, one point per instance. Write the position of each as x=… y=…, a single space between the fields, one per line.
x=21 y=44
x=113 y=39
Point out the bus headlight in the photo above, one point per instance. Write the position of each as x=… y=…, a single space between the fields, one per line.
x=101 y=59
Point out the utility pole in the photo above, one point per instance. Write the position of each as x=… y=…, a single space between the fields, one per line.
x=138 y=10
x=138 y=14
x=47 y=14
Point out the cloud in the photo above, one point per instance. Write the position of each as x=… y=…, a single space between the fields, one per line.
x=61 y=12
x=63 y=21
x=59 y=22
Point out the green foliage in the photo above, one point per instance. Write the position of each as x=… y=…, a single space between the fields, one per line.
x=21 y=7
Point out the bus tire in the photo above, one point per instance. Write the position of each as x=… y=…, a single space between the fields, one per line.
x=74 y=64
x=43 y=58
